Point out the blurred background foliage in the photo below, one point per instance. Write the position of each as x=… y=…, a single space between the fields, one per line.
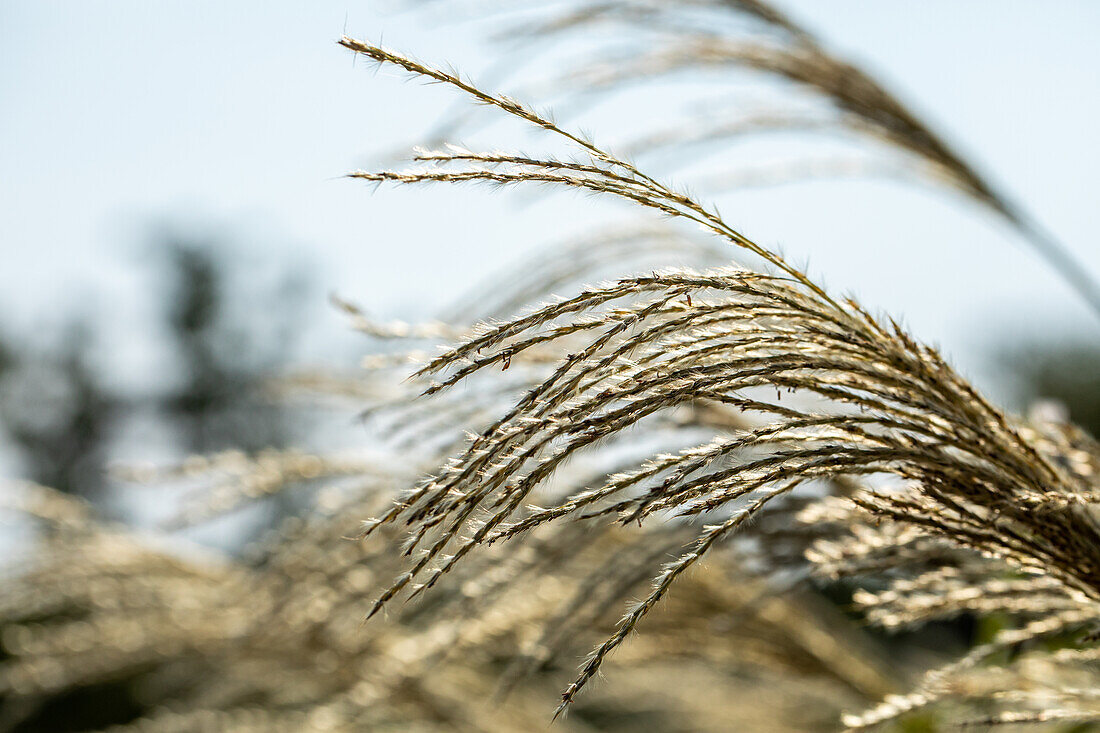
x=64 y=417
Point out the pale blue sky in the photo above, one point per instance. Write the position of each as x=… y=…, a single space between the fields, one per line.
x=243 y=116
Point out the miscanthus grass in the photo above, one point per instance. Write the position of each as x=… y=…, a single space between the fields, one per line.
x=632 y=43
x=695 y=443
x=827 y=393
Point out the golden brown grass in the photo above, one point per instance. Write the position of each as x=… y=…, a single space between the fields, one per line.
x=839 y=395
x=745 y=425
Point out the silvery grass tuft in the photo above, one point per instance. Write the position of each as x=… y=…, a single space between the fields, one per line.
x=632 y=43
x=598 y=445
x=988 y=513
